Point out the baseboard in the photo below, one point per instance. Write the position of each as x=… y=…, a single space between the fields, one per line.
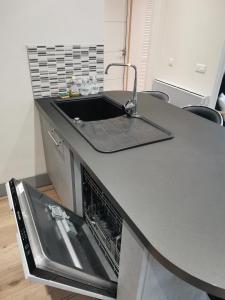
x=36 y=181
x=2 y=190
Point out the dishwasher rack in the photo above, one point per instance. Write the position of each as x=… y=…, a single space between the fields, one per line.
x=103 y=219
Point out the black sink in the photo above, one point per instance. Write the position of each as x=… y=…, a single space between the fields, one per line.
x=105 y=125
x=90 y=108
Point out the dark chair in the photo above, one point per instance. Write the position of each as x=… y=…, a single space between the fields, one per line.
x=158 y=94
x=222 y=90
x=206 y=112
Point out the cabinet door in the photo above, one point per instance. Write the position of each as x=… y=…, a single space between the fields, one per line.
x=58 y=163
x=56 y=246
x=133 y=265
x=161 y=284
x=148 y=279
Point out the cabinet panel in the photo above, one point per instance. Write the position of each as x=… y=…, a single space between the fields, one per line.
x=161 y=284
x=133 y=266
x=142 y=277
x=78 y=199
x=58 y=163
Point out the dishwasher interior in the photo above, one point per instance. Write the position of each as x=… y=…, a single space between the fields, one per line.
x=103 y=219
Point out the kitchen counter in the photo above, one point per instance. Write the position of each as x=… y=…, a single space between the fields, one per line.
x=172 y=193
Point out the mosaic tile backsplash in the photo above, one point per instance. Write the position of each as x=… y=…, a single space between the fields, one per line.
x=52 y=67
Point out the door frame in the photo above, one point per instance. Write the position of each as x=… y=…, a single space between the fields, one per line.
x=218 y=79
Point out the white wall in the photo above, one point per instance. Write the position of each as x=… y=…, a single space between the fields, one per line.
x=30 y=22
x=190 y=32
x=114 y=41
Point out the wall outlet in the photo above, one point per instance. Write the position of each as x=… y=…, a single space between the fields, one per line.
x=171 y=62
x=200 y=68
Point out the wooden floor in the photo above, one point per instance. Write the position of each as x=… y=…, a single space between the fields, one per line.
x=13 y=286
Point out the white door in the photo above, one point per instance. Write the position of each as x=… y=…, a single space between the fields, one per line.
x=115 y=16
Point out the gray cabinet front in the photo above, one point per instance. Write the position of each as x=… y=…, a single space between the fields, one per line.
x=142 y=277
x=58 y=162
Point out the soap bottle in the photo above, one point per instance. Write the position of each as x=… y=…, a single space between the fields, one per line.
x=94 y=88
x=85 y=86
x=74 y=88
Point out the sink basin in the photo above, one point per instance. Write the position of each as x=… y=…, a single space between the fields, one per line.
x=105 y=125
x=90 y=108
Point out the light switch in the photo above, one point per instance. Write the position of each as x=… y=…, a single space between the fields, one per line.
x=200 y=68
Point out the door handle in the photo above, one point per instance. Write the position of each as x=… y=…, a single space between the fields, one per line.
x=54 y=140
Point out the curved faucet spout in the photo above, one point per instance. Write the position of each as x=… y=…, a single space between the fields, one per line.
x=131 y=105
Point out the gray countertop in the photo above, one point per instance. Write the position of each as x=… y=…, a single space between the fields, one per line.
x=172 y=192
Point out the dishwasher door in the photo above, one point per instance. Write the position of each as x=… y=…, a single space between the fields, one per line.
x=56 y=245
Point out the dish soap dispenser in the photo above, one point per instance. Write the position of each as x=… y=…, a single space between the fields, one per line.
x=74 y=88
x=94 y=88
x=85 y=86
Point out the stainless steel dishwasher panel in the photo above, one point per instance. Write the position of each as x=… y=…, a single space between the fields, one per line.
x=56 y=245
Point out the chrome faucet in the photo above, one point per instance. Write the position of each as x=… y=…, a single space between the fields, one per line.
x=131 y=105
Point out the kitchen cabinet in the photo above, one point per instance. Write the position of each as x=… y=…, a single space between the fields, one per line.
x=142 y=277
x=133 y=265
x=60 y=249
x=162 y=200
x=58 y=161
x=79 y=254
x=161 y=284
x=83 y=254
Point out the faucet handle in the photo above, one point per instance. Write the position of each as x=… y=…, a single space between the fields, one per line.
x=129 y=106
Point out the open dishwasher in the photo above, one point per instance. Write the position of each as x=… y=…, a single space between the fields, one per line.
x=61 y=249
